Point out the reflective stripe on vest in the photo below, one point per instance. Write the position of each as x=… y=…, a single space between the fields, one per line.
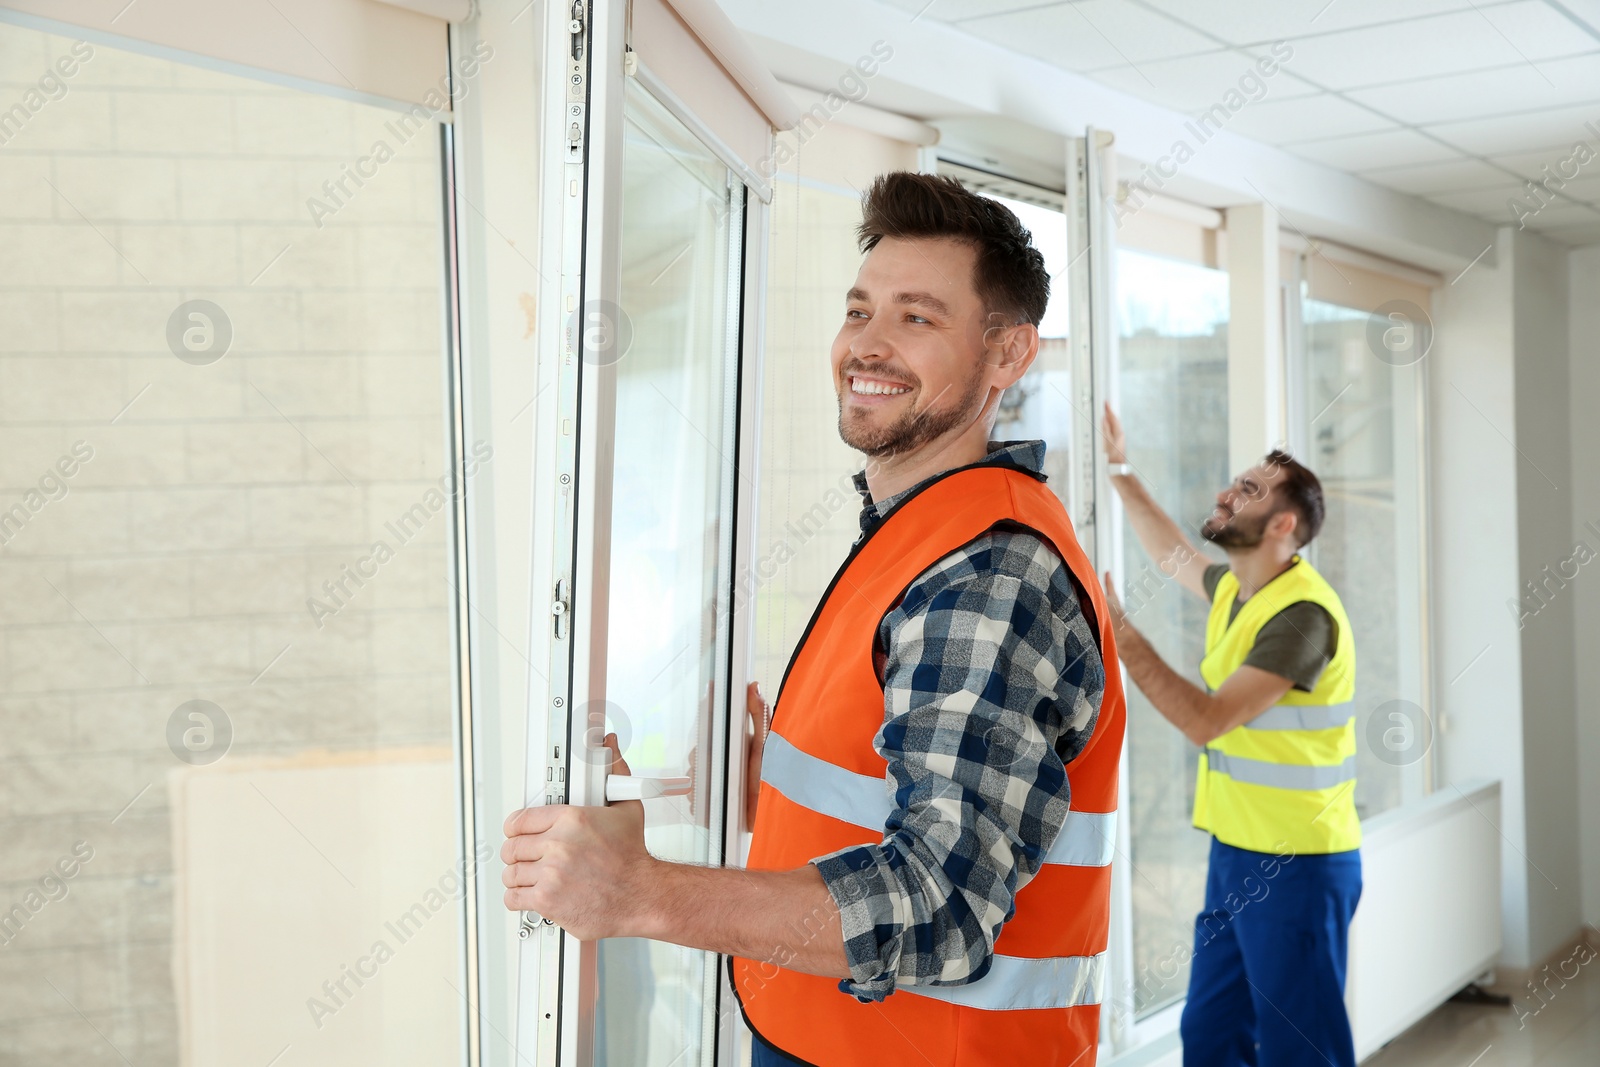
x=1303 y=717
x=1280 y=775
x=1087 y=840
x=1014 y=983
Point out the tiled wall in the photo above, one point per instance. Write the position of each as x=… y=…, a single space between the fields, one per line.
x=176 y=561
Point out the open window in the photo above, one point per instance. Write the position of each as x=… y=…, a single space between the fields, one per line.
x=1171 y=391
x=1358 y=330
x=656 y=161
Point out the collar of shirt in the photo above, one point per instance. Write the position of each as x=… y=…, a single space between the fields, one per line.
x=1026 y=455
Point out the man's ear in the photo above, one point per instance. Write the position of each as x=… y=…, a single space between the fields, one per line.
x=1284 y=523
x=1011 y=349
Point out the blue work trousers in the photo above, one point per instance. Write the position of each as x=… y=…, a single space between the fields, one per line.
x=1266 y=982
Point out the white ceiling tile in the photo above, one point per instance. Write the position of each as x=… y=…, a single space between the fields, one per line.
x=1194 y=83
x=1500 y=91
x=1242 y=23
x=1448 y=177
x=1575 y=77
x=1587 y=12
x=1089 y=34
x=1368 y=151
x=1536 y=29
x=1417 y=48
x=1305 y=118
x=1529 y=132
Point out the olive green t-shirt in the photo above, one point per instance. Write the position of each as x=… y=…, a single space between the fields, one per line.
x=1297 y=643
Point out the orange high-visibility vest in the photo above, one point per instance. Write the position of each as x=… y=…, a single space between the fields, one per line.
x=824 y=787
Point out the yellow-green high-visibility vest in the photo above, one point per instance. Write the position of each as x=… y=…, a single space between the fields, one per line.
x=1286 y=779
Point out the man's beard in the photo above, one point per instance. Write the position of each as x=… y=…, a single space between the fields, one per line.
x=1230 y=535
x=914 y=428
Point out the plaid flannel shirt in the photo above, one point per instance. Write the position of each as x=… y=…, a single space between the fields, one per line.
x=992 y=681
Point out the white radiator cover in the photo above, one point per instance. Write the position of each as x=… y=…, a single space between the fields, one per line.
x=1429 y=918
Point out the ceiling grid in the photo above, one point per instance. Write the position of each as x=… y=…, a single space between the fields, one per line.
x=1458 y=102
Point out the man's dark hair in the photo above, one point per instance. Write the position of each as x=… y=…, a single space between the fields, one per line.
x=1009 y=276
x=1301 y=491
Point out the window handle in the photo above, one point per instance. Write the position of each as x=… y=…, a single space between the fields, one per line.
x=627 y=787
x=619 y=787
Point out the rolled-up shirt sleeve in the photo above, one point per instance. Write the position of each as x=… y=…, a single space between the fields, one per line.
x=992 y=683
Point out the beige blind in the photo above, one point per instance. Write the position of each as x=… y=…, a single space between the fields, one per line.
x=727 y=43
x=1341 y=276
x=398 y=50
x=363 y=47
x=678 y=65
x=1169 y=228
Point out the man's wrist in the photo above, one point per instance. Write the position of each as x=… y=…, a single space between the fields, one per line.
x=1130 y=642
x=1120 y=470
x=653 y=916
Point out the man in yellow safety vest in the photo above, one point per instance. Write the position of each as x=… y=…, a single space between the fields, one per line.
x=1276 y=788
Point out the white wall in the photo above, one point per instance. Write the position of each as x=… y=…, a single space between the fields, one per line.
x=1477 y=653
x=1583 y=288
x=1503 y=489
x=1544 y=510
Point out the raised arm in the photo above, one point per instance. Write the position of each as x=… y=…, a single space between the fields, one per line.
x=1173 y=553
x=1203 y=717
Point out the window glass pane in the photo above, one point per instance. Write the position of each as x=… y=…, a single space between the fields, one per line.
x=666 y=642
x=1048 y=230
x=1173 y=388
x=808 y=505
x=230 y=809
x=1350 y=405
x=1041 y=405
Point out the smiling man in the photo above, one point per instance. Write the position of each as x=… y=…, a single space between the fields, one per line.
x=929 y=874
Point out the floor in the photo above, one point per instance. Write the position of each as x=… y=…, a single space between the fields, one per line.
x=1563 y=1032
